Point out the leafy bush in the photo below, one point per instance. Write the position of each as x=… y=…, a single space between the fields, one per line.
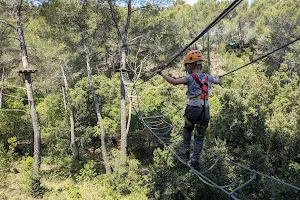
x=30 y=181
x=5 y=160
x=88 y=172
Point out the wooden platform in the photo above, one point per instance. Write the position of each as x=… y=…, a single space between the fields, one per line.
x=27 y=71
x=124 y=69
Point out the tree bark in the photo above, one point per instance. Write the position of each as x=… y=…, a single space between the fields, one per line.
x=290 y=70
x=96 y=103
x=123 y=106
x=64 y=97
x=123 y=39
x=2 y=85
x=27 y=78
x=73 y=144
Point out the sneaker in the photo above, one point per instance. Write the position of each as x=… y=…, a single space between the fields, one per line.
x=195 y=164
x=183 y=154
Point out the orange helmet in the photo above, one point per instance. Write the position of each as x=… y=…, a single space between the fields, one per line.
x=193 y=56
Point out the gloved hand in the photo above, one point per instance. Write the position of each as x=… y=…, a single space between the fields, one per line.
x=158 y=71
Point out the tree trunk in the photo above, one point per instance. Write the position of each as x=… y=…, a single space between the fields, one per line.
x=2 y=85
x=123 y=105
x=64 y=97
x=123 y=38
x=290 y=70
x=97 y=108
x=27 y=78
x=73 y=144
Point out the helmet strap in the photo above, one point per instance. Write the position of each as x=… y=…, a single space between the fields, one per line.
x=187 y=71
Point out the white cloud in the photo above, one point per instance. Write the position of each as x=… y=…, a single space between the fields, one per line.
x=191 y=2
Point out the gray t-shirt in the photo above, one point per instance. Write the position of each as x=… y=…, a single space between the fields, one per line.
x=195 y=90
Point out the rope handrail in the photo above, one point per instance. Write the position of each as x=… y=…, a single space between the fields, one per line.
x=261 y=57
x=203 y=178
x=18 y=97
x=252 y=170
x=210 y=26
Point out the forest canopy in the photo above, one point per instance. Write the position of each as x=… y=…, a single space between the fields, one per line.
x=78 y=78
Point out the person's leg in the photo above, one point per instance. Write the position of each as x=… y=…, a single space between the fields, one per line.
x=200 y=132
x=192 y=114
x=187 y=132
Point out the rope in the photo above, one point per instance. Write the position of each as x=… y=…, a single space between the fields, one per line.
x=261 y=57
x=252 y=170
x=210 y=26
x=14 y=110
x=203 y=178
x=159 y=121
x=163 y=141
x=16 y=97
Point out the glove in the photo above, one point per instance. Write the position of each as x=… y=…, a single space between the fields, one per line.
x=158 y=71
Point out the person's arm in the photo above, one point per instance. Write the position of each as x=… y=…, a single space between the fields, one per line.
x=173 y=81
x=217 y=79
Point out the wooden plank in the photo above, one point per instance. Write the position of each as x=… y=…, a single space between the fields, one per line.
x=28 y=71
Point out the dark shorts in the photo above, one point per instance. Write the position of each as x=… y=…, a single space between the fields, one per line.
x=197 y=115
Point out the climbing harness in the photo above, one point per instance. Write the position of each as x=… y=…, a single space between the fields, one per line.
x=203 y=86
x=204 y=97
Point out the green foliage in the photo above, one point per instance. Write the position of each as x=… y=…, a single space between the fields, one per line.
x=5 y=164
x=30 y=178
x=125 y=182
x=126 y=178
x=87 y=172
x=55 y=128
x=254 y=114
x=12 y=144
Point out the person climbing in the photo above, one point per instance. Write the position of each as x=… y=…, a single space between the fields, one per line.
x=197 y=110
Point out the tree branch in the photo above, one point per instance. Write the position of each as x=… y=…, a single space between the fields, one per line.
x=127 y=21
x=113 y=14
x=19 y=7
x=8 y=24
x=2 y=85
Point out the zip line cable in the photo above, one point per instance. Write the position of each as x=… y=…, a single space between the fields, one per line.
x=261 y=57
x=210 y=26
x=253 y=61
